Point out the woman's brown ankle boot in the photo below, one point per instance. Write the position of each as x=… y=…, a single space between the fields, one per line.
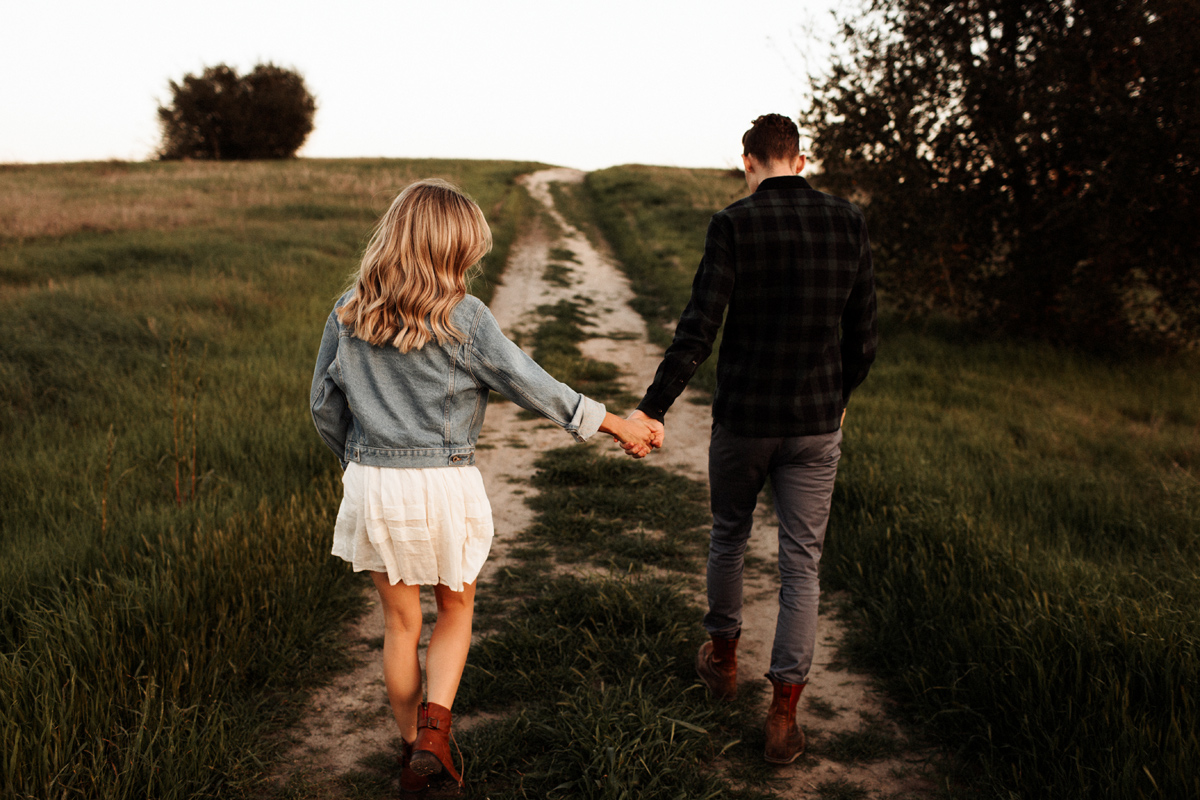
x=431 y=753
x=411 y=784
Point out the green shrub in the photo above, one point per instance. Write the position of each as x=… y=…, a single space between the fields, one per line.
x=221 y=115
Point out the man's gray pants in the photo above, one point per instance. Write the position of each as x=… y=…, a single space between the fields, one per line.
x=802 y=470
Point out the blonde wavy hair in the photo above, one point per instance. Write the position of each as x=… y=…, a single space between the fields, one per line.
x=415 y=268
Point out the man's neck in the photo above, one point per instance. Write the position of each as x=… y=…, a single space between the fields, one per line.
x=769 y=175
x=757 y=171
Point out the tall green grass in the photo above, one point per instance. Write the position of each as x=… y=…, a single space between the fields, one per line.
x=1024 y=542
x=146 y=645
x=1019 y=528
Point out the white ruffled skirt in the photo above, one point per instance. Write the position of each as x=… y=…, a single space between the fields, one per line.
x=420 y=526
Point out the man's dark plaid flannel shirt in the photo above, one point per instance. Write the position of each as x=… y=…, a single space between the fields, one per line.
x=794 y=267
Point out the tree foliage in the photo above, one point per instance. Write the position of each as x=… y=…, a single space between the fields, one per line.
x=267 y=113
x=1031 y=163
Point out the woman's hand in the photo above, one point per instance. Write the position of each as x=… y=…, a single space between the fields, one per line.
x=635 y=437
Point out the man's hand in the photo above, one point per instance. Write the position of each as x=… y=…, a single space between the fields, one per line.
x=659 y=430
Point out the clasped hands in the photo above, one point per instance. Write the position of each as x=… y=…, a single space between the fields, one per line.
x=637 y=435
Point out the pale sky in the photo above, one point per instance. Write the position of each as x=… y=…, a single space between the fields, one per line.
x=581 y=84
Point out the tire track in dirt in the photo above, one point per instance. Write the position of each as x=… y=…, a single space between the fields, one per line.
x=350 y=718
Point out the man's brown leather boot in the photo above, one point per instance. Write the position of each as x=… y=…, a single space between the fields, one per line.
x=785 y=740
x=716 y=664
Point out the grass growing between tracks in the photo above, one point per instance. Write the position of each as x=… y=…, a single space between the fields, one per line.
x=165 y=583
x=556 y=348
x=596 y=682
x=1019 y=528
x=618 y=514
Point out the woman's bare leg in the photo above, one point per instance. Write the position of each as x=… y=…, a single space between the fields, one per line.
x=447 y=655
x=401 y=634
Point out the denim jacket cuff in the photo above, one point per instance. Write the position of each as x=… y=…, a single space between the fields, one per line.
x=588 y=416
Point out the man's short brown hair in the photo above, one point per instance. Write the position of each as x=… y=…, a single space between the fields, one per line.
x=772 y=137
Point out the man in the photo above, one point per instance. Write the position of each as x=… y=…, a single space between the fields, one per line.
x=793 y=266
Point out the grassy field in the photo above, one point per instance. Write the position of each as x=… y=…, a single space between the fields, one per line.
x=164 y=579
x=1019 y=528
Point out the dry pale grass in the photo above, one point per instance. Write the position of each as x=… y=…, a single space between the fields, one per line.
x=52 y=200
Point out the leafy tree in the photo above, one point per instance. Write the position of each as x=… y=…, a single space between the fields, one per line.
x=1031 y=163
x=267 y=113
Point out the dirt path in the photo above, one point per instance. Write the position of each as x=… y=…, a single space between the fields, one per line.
x=350 y=718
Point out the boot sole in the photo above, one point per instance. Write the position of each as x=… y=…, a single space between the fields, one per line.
x=425 y=764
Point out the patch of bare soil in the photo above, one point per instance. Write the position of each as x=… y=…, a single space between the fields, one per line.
x=846 y=721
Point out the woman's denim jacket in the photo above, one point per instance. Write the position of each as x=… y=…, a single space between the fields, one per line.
x=383 y=408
